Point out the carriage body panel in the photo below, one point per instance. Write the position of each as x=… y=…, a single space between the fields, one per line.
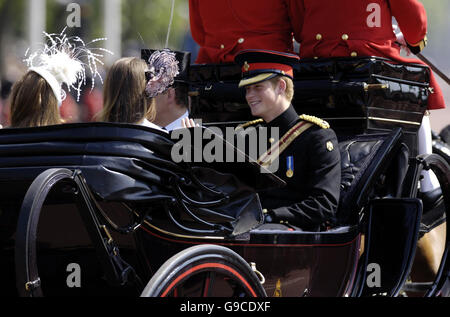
x=293 y=263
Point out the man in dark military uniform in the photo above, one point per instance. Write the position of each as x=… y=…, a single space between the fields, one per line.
x=307 y=149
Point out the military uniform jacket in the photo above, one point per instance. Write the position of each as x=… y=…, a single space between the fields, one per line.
x=345 y=28
x=310 y=166
x=222 y=28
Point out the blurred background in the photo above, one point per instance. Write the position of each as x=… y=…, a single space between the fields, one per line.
x=134 y=24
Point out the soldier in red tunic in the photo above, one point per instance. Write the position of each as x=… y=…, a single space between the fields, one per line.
x=330 y=28
x=222 y=28
x=352 y=28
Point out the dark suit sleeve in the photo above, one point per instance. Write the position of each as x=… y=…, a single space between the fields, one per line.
x=322 y=187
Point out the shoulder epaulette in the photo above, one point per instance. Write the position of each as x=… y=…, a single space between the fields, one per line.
x=317 y=121
x=248 y=124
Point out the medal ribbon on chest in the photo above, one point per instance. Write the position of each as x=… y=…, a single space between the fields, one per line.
x=290 y=166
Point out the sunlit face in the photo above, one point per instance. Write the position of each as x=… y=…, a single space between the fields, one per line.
x=261 y=97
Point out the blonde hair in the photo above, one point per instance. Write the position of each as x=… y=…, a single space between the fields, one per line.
x=124 y=98
x=289 y=92
x=33 y=103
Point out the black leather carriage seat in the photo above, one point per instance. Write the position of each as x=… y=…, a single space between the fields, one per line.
x=364 y=158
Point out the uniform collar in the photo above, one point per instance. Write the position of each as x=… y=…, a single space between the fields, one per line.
x=286 y=120
x=177 y=124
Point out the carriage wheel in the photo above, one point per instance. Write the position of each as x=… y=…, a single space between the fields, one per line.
x=205 y=271
x=437 y=283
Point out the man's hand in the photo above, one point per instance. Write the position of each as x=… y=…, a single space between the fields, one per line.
x=189 y=123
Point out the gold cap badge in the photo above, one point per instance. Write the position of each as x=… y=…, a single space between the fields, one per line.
x=246 y=66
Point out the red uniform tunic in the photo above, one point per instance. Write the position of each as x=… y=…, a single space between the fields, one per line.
x=330 y=28
x=222 y=28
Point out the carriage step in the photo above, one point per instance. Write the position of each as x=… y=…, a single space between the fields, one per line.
x=417 y=287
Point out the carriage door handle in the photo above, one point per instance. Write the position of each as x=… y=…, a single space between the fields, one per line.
x=260 y=276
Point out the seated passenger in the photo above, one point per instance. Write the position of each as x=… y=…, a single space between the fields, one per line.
x=308 y=154
x=172 y=106
x=37 y=97
x=33 y=103
x=131 y=87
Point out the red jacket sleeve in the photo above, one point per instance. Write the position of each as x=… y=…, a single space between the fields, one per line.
x=412 y=19
x=296 y=14
x=197 y=31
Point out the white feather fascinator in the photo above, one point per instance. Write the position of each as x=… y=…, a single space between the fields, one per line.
x=65 y=60
x=162 y=70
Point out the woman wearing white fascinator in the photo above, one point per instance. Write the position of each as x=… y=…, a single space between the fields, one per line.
x=132 y=84
x=37 y=96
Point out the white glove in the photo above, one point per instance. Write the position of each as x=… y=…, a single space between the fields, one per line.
x=189 y=123
x=401 y=40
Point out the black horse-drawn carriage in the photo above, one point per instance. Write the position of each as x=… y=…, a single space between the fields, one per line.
x=108 y=202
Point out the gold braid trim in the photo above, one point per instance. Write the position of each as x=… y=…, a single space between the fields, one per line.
x=267 y=158
x=317 y=121
x=250 y=123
